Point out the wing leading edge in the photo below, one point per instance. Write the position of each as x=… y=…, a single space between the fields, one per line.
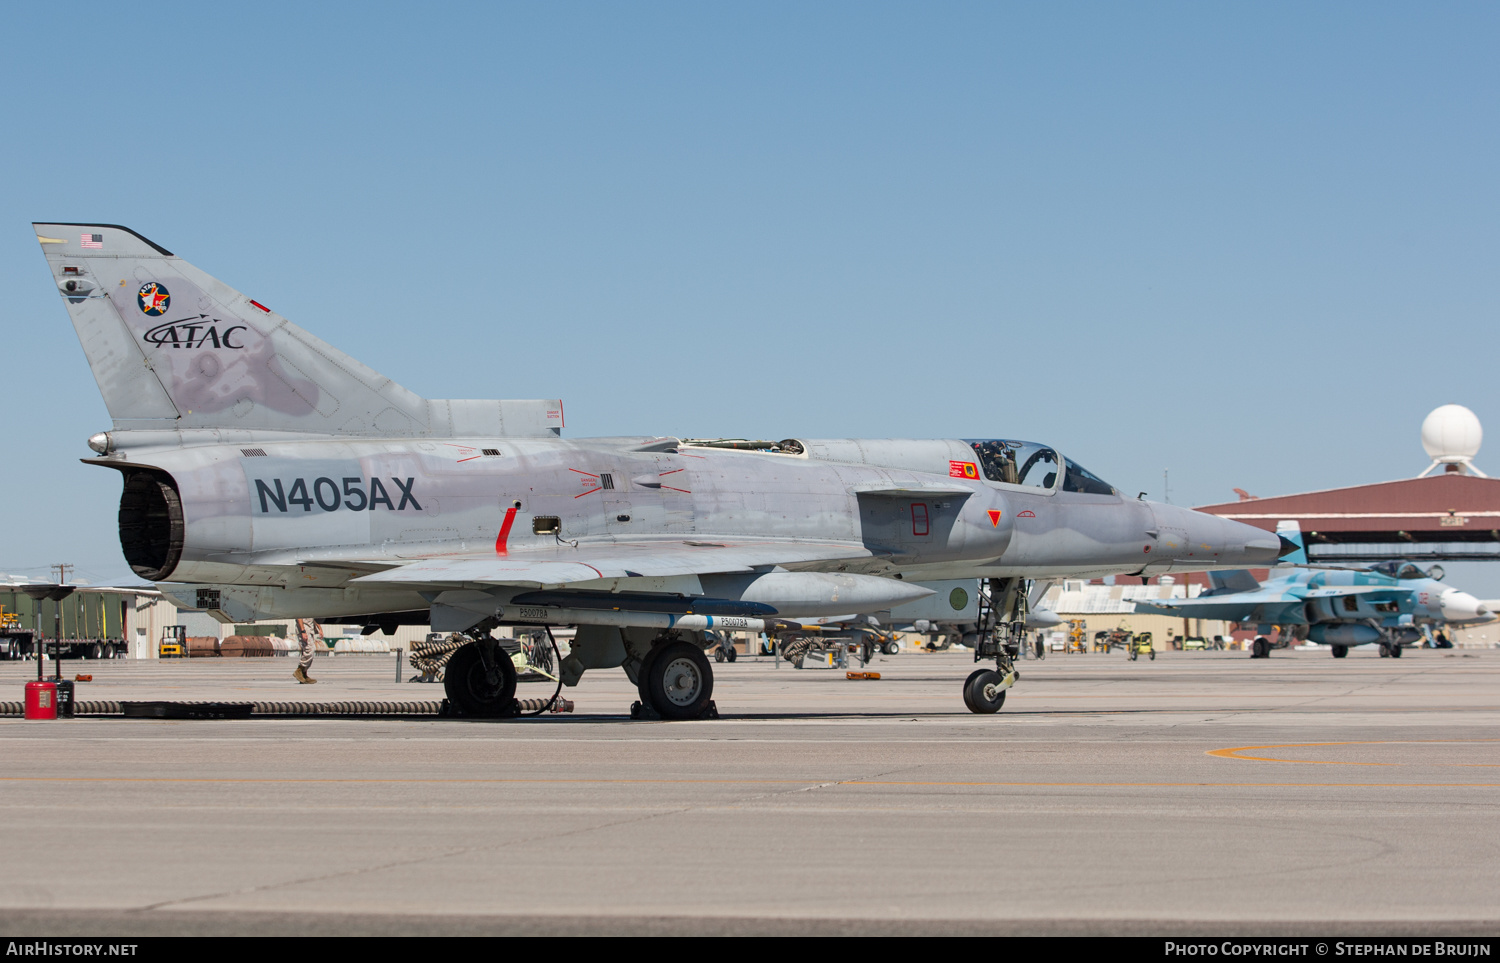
x=589 y=562
x=1249 y=607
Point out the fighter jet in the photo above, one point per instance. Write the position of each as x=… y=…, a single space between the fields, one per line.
x=1389 y=603
x=268 y=475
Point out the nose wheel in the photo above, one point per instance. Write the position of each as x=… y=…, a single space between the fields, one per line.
x=984 y=691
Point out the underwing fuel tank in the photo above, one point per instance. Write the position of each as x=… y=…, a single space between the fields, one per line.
x=804 y=594
x=1348 y=633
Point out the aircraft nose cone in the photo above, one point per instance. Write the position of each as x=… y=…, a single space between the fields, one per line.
x=1214 y=540
x=1255 y=546
x=1461 y=607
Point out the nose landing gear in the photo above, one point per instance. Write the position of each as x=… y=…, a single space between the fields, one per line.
x=1002 y=632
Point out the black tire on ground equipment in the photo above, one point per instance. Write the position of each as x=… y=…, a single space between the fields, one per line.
x=1339 y=651
x=468 y=687
x=1133 y=654
x=1153 y=655
x=680 y=680
x=974 y=692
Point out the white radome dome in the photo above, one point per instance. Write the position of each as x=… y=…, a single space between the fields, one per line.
x=1451 y=434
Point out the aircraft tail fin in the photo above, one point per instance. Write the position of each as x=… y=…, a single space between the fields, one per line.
x=172 y=347
x=1293 y=551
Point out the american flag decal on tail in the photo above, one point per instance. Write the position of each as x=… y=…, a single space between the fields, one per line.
x=91 y=240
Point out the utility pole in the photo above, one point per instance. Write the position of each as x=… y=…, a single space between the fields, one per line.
x=61 y=568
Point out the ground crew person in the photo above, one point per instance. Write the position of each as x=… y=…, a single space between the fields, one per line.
x=307 y=631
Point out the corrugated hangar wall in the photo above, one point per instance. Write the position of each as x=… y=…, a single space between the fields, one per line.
x=1448 y=516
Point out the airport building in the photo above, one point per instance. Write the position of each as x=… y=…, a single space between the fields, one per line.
x=1102 y=607
x=1450 y=512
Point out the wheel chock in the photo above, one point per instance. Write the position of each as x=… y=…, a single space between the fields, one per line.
x=861 y=675
x=639 y=710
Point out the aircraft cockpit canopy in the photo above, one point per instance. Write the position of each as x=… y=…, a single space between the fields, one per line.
x=1033 y=465
x=1405 y=570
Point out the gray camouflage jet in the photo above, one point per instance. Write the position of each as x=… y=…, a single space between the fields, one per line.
x=268 y=475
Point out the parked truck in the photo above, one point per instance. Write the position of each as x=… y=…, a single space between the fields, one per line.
x=92 y=623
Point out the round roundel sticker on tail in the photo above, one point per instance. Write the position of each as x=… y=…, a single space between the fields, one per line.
x=153 y=299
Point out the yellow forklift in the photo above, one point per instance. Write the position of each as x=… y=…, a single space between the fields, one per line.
x=173 y=642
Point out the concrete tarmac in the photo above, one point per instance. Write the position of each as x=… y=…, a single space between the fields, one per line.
x=1202 y=793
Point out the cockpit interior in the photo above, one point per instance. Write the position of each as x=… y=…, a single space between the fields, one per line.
x=1032 y=465
x=1406 y=570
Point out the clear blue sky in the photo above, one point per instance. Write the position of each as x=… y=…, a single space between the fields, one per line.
x=1252 y=243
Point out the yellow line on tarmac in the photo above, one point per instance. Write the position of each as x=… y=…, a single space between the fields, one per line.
x=810 y=783
x=1234 y=752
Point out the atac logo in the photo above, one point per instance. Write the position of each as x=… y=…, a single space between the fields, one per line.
x=197 y=332
x=153 y=299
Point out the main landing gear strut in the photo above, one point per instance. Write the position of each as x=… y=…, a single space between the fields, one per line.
x=1002 y=631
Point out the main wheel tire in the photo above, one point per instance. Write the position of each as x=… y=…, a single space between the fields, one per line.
x=680 y=680
x=731 y=655
x=469 y=689
x=1259 y=649
x=1395 y=651
x=1385 y=651
x=1339 y=651
x=642 y=674
x=982 y=693
x=718 y=655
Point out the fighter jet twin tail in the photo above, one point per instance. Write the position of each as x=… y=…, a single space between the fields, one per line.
x=268 y=475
